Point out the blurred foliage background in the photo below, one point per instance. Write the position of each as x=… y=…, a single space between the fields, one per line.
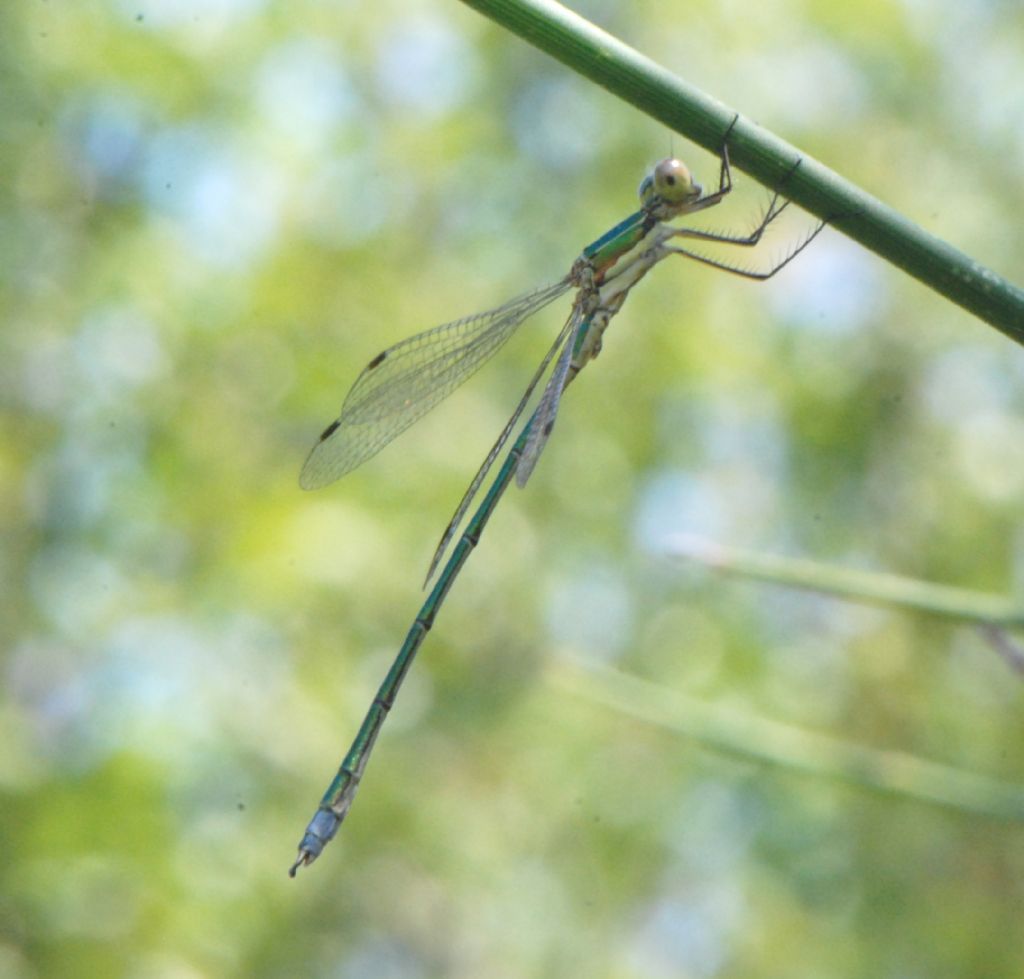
x=213 y=213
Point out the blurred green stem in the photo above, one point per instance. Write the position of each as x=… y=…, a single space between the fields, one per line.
x=624 y=72
x=769 y=742
x=978 y=608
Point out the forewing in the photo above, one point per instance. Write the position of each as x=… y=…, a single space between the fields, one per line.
x=485 y=467
x=543 y=420
x=404 y=382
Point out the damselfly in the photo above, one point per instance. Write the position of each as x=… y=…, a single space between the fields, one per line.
x=405 y=381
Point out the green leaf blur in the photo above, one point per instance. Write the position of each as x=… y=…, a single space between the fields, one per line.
x=213 y=214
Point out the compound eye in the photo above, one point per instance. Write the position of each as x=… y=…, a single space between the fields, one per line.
x=672 y=182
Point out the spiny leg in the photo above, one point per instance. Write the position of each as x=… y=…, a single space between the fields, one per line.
x=748 y=240
x=759 y=275
x=773 y=210
x=724 y=172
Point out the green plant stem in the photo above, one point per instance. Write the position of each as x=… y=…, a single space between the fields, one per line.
x=792 y=748
x=657 y=92
x=979 y=608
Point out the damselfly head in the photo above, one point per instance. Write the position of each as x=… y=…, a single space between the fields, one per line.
x=669 y=183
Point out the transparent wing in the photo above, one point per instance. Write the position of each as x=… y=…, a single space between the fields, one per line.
x=547 y=410
x=485 y=468
x=401 y=384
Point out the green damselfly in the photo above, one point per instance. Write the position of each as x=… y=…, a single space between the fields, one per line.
x=405 y=381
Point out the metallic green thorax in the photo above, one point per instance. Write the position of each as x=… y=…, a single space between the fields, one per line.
x=612 y=245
